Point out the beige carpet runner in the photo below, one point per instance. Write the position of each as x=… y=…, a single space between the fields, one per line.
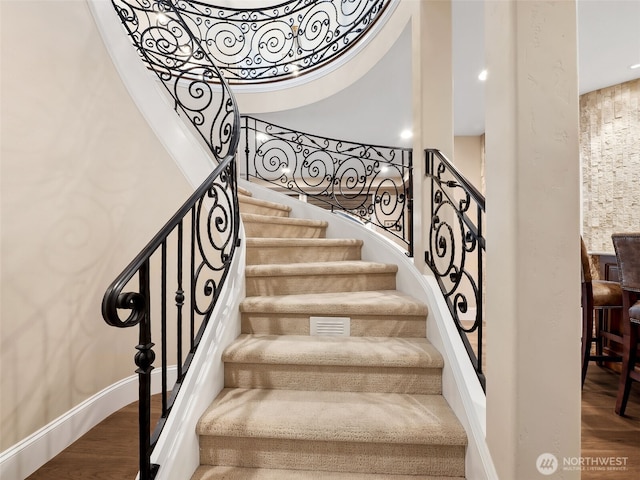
x=305 y=402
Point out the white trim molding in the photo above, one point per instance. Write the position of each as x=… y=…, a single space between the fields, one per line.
x=25 y=457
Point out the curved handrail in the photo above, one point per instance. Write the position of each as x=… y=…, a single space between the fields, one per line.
x=281 y=41
x=455 y=235
x=115 y=299
x=192 y=253
x=165 y=42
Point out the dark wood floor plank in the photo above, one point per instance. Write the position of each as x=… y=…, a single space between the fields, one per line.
x=605 y=434
x=109 y=451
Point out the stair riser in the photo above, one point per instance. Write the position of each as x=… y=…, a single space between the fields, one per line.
x=275 y=255
x=333 y=456
x=276 y=230
x=297 y=284
x=262 y=210
x=361 y=326
x=210 y=472
x=425 y=381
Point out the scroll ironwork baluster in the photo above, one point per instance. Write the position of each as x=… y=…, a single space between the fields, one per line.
x=252 y=45
x=371 y=183
x=162 y=38
x=453 y=237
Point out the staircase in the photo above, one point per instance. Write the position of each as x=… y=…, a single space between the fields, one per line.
x=367 y=405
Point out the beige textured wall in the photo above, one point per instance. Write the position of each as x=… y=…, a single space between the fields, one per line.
x=468 y=152
x=84 y=185
x=467 y=157
x=532 y=175
x=610 y=155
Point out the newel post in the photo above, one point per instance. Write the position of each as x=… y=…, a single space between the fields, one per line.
x=144 y=360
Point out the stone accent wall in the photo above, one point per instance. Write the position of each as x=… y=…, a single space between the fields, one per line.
x=610 y=156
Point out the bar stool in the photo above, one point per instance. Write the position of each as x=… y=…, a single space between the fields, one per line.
x=600 y=296
x=627 y=247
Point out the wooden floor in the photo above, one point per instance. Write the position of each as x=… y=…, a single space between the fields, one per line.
x=109 y=451
x=605 y=434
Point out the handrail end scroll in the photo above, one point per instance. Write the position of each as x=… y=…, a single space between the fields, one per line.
x=114 y=300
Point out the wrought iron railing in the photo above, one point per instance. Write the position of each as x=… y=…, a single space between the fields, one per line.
x=370 y=182
x=282 y=41
x=456 y=250
x=192 y=254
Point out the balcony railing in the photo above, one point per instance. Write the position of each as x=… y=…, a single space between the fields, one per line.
x=170 y=289
x=371 y=183
x=456 y=251
x=283 y=41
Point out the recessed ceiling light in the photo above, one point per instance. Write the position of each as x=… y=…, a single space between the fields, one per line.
x=406 y=134
x=261 y=137
x=286 y=170
x=635 y=65
x=483 y=75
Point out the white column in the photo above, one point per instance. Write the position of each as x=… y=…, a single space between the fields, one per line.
x=432 y=104
x=533 y=279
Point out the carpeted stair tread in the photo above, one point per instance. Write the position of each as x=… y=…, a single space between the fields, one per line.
x=268 y=251
x=320 y=268
x=244 y=191
x=301 y=242
x=264 y=203
x=364 y=407
x=206 y=472
x=255 y=218
x=375 y=418
x=374 y=302
x=319 y=277
x=336 y=351
x=269 y=226
x=262 y=207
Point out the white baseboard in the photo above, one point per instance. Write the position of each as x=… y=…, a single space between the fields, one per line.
x=25 y=457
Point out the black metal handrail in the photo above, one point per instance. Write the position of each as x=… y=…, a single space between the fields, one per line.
x=192 y=254
x=280 y=41
x=371 y=182
x=455 y=235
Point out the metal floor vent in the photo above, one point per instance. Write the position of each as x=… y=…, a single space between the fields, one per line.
x=337 y=326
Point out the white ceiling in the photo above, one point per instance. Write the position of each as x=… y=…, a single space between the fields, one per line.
x=608 y=43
